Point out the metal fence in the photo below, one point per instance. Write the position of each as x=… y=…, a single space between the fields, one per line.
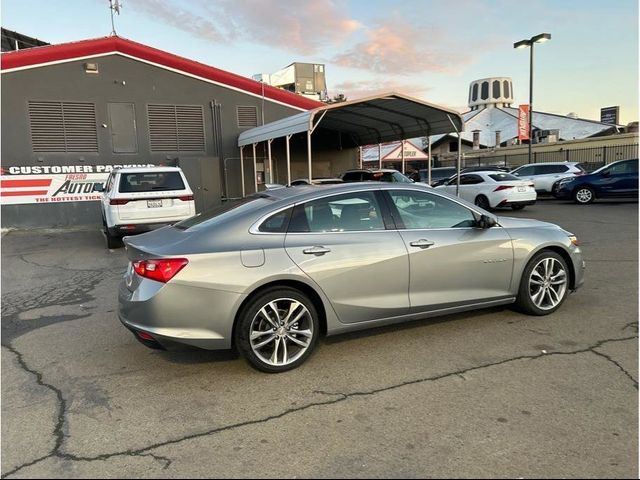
x=590 y=158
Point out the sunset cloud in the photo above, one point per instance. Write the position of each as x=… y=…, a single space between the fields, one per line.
x=400 y=49
x=366 y=88
x=303 y=27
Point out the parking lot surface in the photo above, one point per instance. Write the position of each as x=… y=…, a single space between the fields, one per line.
x=491 y=393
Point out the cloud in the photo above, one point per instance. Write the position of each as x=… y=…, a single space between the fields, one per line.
x=302 y=27
x=365 y=88
x=399 y=48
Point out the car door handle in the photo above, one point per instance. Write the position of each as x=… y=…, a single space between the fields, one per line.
x=317 y=250
x=422 y=243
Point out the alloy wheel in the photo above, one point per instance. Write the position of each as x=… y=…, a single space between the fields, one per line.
x=281 y=332
x=584 y=195
x=548 y=283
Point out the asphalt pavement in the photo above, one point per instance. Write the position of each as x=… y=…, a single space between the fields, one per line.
x=491 y=393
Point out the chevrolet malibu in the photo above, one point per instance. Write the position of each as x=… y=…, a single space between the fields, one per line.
x=270 y=274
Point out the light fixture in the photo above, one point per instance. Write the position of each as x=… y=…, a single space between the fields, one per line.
x=543 y=37
x=91 y=67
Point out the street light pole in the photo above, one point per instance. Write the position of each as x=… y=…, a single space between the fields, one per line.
x=543 y=37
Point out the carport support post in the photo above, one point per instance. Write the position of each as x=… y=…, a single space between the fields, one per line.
x=309 y=155
x=429 y=164
x=404 y=170
x=459 y=165
x=360 y=156
x=242 y=170
x=270 y=161
x=379 y=156
x=288 y=137
x=255 y=168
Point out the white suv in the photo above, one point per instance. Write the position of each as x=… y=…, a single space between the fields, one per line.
x=136 y=200
x=544 y=175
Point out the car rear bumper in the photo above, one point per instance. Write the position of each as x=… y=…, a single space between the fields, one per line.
x=160 y=310
x=135 y=228
x=509 y=203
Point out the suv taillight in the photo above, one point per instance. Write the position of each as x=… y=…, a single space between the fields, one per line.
x=186 y=198
x=118 y=201
x=161 y=269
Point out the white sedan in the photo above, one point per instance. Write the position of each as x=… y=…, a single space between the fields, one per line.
x=493 y=189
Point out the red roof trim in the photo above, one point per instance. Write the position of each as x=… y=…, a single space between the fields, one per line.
x=87 y=48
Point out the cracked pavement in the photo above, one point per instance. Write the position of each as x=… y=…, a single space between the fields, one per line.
x=467 y=395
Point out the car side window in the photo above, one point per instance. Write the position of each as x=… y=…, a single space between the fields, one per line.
x=109 y=185
x=338 y=213
x=470 y=179
x=276 y=223
x=621 y=168
x=525 y=171
x=419 y=210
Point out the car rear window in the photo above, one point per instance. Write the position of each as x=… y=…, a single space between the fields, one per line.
x=227 y=209
x=150 y=182
x=503 y=177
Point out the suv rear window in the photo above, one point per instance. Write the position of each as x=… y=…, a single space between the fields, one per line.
x=150 y=182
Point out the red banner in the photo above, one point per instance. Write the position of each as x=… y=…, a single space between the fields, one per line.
x=523 y=122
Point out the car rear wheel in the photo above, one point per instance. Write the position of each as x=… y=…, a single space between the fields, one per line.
x=277 y=330
x=584 y=195
x=544 y=285
x=483 y=202
x=113 y=241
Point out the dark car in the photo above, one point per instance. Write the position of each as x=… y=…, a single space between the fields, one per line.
x=437 y=174
x=616 y=180
x=441 y=180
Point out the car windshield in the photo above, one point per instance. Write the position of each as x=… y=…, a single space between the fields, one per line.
x=503 y=177
x=150 y=182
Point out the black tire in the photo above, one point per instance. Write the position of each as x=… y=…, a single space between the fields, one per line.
x=517 y=207
x=524 y=302
x=584 y=195
x=251 y=310
x=482 y=202
x=113 y=241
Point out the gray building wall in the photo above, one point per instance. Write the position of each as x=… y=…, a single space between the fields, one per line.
x=122 y=79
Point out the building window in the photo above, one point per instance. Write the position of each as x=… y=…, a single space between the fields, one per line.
x=485 y=90
x=176 y=128
x=496 y=89
x=475 y=92
x=63 y=127
x=247 y=116
x=453 y=146
x=506 y=89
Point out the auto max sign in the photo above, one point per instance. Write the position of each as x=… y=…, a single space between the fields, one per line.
x=53 y=183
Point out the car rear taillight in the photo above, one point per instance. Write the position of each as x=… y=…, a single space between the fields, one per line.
x=161 y=269
x=186 y=198
x=503 y=187
x=118 y=201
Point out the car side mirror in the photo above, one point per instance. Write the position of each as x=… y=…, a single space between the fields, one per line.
x=485 y=221
x=98 y=188
x=516 y=174
x=606 y=173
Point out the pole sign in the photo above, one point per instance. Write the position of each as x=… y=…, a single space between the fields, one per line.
x=523 y=122
x=53 y=183
x=610 y=115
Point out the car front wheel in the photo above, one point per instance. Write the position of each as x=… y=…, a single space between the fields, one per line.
x=584 y=195
x=277 y=330
x=544 y=285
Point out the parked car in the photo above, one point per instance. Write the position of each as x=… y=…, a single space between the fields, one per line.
x=315 y=181
x=452 y=171
x=544 y=175
x=270 y=273
x=136 y=200
x=616 y=180
x=492 y=190
x=375 y=175
x=438 y=175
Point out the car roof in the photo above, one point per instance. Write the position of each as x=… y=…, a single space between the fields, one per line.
x=146 y=169
x=547 y=163
x=304 y=192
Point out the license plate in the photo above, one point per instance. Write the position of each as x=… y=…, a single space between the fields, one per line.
x=154 y=203
x=522 y=189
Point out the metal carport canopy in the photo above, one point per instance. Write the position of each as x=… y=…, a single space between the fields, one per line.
x=377 y=119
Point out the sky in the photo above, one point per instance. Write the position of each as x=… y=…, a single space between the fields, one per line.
x=429 y=49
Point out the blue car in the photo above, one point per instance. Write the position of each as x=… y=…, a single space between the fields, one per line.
x=616 y=180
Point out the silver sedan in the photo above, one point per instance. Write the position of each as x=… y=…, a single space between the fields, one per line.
x=271 y=273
